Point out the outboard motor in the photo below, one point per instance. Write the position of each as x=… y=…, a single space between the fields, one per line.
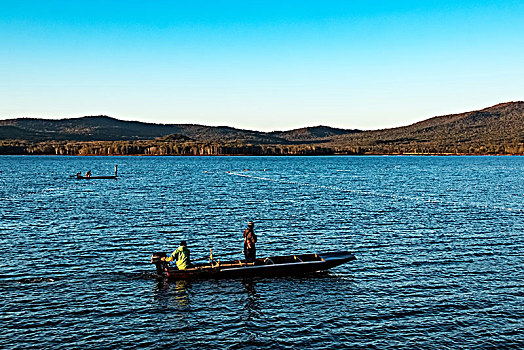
x=156 y=258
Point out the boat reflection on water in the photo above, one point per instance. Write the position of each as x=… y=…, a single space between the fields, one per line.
x=181 y=292
x=252 y=306
x=251 y=316
x=166 y=292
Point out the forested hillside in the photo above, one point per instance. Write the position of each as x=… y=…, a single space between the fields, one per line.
x=494 y=130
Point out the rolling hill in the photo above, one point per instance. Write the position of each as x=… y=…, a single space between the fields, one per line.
x=495 y=130
x=104 y=128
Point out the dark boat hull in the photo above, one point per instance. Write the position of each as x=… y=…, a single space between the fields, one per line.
x=80 y=177
x=95 y=177
x=267 y=267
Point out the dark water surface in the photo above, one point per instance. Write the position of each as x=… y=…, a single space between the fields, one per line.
x=439 y=243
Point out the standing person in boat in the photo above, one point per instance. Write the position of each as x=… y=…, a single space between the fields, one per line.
x=181 y=256
x=250 y=238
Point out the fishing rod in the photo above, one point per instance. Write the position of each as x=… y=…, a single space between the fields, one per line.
x=210 y=257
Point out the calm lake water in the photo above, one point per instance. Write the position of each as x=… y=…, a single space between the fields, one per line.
x=439 y=243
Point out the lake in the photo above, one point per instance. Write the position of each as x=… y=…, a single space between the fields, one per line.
x=439 y=243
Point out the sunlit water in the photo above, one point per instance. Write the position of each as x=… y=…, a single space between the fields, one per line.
x=439 y=243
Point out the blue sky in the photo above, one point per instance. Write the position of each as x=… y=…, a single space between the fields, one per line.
x=263 y=65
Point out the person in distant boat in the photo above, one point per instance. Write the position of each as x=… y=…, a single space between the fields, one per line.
x=79 y=174
x=88 y=173
x=181 y=256
x=250 y=238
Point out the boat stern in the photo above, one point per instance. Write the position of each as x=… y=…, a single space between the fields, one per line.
x=160 y=264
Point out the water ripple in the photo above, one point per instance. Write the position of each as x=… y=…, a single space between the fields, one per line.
x=439 y=245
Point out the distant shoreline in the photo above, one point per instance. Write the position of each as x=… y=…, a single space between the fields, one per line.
x=496 y=130
x=271 y=155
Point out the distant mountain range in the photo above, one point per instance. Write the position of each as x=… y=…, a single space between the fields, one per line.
x=494 y=130
x=104 y=128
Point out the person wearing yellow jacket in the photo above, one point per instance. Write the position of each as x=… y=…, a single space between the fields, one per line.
x=181 y=256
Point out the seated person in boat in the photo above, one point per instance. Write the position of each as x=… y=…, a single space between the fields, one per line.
x=88 y=173
x=79 y=174
x=181 y=257
x=250 y=238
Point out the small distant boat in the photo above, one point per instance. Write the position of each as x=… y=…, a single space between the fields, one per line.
x=273 y=266
x=88 y=176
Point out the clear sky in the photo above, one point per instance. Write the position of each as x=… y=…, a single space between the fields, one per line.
x=263 y=65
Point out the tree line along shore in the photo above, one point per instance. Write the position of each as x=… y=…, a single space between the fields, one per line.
x=169 y=148
x=496 y=130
